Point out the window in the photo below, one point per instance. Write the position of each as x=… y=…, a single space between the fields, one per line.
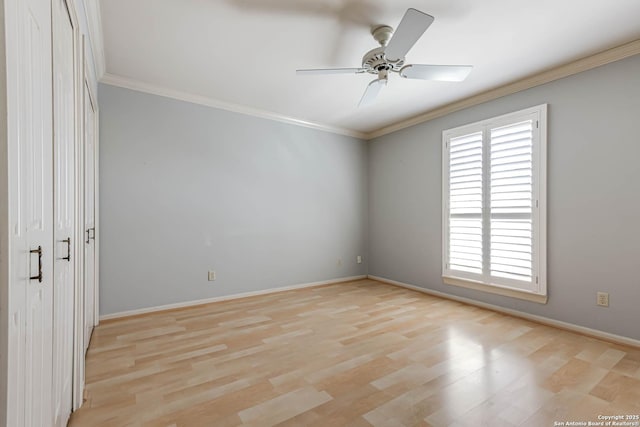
x=494 y=207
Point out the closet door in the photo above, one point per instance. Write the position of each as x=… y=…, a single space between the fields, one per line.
x=89 y=211
x=64 y=144
x=28 y=52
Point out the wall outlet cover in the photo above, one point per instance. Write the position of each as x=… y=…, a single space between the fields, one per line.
x=602 y=299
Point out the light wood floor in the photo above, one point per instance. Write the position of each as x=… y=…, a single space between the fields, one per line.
x=353 y=354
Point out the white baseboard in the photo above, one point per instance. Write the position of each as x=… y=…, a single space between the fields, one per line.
x=145 y=310
x=618 y=339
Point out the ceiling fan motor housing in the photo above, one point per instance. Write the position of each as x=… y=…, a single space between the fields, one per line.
x=375 y=61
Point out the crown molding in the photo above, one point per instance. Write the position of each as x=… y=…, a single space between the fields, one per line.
x=566 y=70
x=127 y=83
x=571 y=68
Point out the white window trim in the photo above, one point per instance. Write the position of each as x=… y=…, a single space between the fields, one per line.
x=539 y=214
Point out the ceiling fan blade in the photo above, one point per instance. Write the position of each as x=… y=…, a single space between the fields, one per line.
x=443 y=73
x=372 y=91
x=330 y=71
x=411 y=28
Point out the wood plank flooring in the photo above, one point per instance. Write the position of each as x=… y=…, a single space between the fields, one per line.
x=354 y=354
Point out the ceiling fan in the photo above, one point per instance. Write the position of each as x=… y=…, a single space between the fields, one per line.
x=390 y=57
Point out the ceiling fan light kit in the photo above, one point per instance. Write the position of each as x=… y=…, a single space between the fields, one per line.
x=390 y=57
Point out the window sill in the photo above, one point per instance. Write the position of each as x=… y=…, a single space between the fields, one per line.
x=479 y=286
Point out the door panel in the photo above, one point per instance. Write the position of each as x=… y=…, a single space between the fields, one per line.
x=64 y=209
x=31 y=217
x=89 y=209
x=38 y=210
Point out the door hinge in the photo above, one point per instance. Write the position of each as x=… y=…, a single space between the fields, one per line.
x=536 y=203
x=536 y=280
x=537 y=124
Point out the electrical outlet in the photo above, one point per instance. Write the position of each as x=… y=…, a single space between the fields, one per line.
x=602 y=299
x=212 y=275
x=359 y=259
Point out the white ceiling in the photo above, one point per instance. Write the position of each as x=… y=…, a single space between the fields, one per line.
x=245 y=52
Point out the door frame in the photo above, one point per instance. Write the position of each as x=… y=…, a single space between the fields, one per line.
x=96 y=212
x=5 y=239
x=78 y=341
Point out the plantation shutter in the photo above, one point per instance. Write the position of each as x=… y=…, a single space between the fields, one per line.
x=494 y=221
x=511 y=188
x=465 y=203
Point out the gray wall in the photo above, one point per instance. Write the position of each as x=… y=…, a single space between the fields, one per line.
x=186 y=188
x=593 y=198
